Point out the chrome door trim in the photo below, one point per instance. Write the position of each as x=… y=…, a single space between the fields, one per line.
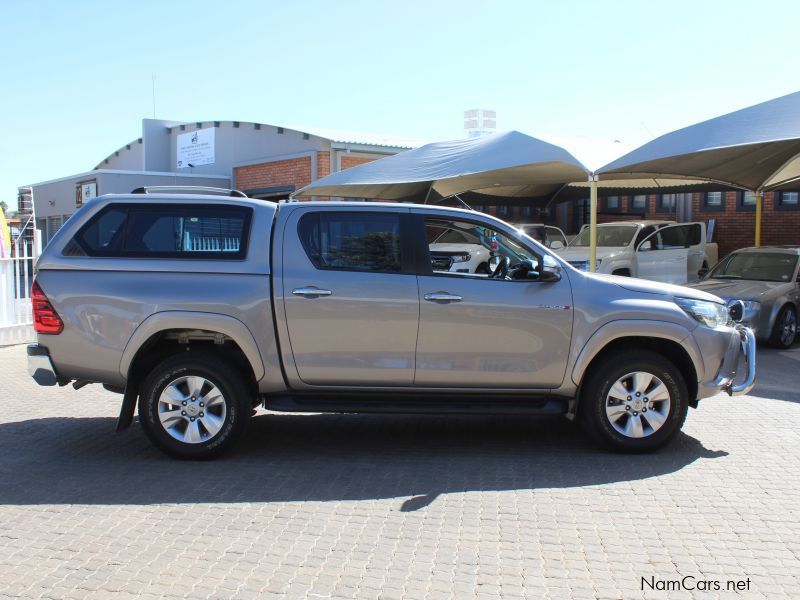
x=311 y=292
x=442 y=297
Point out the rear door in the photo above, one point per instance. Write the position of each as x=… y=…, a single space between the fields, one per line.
x=350 y=296
x=664 y=254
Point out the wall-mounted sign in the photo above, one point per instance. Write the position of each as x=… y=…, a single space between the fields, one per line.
x=196 y=148
x=85 y=191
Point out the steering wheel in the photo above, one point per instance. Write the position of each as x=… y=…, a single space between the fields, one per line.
x=501 y=271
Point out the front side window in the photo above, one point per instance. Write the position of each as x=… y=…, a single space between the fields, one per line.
x=670 y=238
x=607 y=236
x=470 y=249
x=352 y=241
x=165 y=231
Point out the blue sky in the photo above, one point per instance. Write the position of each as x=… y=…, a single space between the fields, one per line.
x=76 y=76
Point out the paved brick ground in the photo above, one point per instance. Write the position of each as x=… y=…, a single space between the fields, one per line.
x=396 y=507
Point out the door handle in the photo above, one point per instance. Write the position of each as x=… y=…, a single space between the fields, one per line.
x=311 y=292
x=442 y=297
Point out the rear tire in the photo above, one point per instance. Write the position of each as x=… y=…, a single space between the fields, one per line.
x=633 y=401
x=784 y=331
x=194 y=406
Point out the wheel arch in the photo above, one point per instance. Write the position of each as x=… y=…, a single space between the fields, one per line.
x=667 y=339
x=215 y=326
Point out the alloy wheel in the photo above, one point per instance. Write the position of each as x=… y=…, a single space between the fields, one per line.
x=192 y=409
x=788 y=327
x=638 y=404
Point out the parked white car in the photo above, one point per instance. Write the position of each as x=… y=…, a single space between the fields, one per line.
x=658 y=250
x=549 y=235
x=461 y=250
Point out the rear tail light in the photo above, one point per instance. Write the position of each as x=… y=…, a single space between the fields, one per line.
x=45 y=317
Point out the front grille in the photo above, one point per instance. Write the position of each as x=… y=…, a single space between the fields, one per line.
x=441 y=263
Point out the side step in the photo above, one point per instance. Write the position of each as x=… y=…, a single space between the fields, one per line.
x=417 y=403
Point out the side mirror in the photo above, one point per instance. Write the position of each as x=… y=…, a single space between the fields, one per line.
x=556 y=245
x=550 y=275
x=646 y=246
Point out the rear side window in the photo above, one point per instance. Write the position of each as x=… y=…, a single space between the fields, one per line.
x=352 y=241
x=167 y=231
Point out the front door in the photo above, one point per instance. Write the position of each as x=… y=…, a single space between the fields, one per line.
x=350 y=297
x=664 y=254
x=484 y=329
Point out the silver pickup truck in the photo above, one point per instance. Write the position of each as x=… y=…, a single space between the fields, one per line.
x=202 y=307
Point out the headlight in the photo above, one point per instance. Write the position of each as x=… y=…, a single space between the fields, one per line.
x=460 y=258
x=708 y=313
x=751 y=308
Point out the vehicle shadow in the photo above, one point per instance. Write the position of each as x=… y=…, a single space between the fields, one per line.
x=318 y=458
x=776 y=371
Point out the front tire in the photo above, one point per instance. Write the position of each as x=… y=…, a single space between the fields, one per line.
x=784 y=332
x=194 y=406
x=634 y=401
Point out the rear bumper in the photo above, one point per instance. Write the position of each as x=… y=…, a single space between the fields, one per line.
x=40 y=367
x=741 y=349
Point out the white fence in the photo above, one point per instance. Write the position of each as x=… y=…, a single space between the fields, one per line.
x=16 y=277
x=210 y=244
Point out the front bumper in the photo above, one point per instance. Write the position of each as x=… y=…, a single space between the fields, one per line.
x=741 y=349
x=40 y=367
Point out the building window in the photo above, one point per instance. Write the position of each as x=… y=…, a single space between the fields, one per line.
x=787 y=200
x=639 y=203
x=502 y=210
x=527 y=211
x=745 y=201
x=714 y=201
x=667 y=201
x=612 y=203
x=479 y=208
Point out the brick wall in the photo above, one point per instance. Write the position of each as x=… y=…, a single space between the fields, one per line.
x=323 y=164
x=294 y=171
x=354 y=161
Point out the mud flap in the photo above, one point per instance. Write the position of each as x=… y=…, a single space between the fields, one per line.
x=128 y=407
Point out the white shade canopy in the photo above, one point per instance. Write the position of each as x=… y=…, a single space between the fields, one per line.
x=509 y=164
x=754 y=148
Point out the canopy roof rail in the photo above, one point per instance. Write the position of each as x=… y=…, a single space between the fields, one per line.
x=188 y=189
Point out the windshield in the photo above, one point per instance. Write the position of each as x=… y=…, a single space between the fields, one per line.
x=614 y=235
x=756 y=266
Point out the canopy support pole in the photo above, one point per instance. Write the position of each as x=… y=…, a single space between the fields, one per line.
x=759 y=203
x=592 y=223
x=428 y=195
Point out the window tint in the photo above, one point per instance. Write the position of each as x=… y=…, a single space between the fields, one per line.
x=105 y=232
x=216 y=232
x=352 y=241
x=464 y=248
x=676 y=237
